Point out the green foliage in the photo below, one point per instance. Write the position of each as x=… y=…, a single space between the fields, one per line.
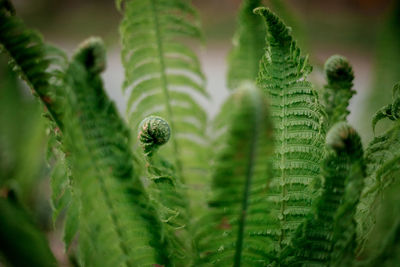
x=338 y=92
x=278 y=196
x=297 y=119
x=162 y=76
x=233 y=232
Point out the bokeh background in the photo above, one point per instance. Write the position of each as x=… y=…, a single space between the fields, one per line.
x=367 y=32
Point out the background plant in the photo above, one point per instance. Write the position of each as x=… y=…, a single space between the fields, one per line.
x=278 y=195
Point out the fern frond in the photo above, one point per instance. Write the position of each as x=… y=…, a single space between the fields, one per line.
x=248 y=45
x=338 y=91
x=383 y=165
x=167 y=192
x=21 y=242
x=163 y=77
x=327 y=237
x=40 y=65
x=232 y=234
x=117 y=224
x=299 y=134
x=344 y=235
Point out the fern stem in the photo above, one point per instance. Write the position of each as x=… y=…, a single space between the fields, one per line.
x=160 y=50
x=283 y=174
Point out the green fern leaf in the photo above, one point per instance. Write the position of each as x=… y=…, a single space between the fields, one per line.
x=338 y=92
x=232 y=234
x=40 y=65
x=248 y=45
x=117 y=224
x=297 y=122
x=163 y=76
x=327 y=237
x=383 y=165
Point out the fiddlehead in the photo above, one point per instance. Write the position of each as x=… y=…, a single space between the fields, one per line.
x=117 y=223
x=167 y=192
x=154 y=131
x=338 y=91
x=327 y=237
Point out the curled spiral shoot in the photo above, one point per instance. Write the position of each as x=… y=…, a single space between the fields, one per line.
x=154 y=132
x=343 y=138
x=338 y=91
x=338 y=70
x=92 y=54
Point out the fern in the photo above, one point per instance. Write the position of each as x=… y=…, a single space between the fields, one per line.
x=297 y=119
x=338 y=92
x=327 y=237
x=233 y=231
x=282 y=200
x=115 y=213
x=39 y=64
x=248 y=45
x=382 y=158
x=162 y=77
x=167 y=192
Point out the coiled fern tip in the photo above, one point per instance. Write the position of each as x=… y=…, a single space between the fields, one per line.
x=92 y=53
x=154 y=131
x=343 y=138
x=338 y=69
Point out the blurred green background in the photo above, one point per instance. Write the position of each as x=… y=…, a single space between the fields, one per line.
x=367 y=32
